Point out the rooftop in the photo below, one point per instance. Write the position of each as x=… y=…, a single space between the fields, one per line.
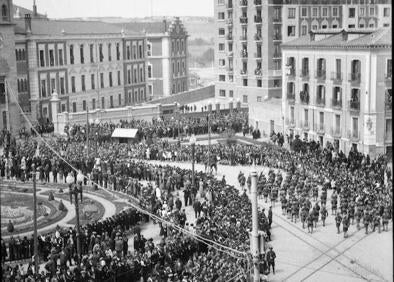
x=75 y=27
x=343 y=39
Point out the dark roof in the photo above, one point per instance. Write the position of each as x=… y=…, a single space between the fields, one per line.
x=355 y=39
x=56 y=27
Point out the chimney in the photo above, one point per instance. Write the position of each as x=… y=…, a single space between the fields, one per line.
x=28 y=23
x=34 y=9
x=165 y=25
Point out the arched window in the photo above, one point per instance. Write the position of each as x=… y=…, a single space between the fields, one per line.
x=4 y=13
x=23 y=54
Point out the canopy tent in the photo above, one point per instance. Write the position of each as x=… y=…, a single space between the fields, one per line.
x=125 y=135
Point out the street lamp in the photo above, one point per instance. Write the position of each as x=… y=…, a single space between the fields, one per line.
x=193 y=143
x=75 y=190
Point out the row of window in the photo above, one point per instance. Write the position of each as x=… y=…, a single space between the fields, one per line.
x=135 y=76
x=20 y=54
x=52 y=59
x=22 y=85
x=179 y=87
x=179 y=68
x=178 y=46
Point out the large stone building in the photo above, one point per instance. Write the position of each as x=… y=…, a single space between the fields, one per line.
x=9 y=111
x=249 y=34
x=337 y=89
x=167 y=64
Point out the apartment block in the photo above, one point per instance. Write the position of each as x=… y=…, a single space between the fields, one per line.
x=167 y=65
x=337 y=89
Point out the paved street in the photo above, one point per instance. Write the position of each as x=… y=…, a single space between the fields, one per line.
x=323 y=255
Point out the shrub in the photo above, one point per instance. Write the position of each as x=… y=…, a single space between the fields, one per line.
x=51 y=197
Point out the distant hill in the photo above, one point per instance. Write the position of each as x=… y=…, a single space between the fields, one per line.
x=197 y=27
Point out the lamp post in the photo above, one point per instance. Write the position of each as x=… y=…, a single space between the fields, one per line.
x=35 y=220
x=209 y=135
x=193 y=143
x=254 y=242
x=75 y=190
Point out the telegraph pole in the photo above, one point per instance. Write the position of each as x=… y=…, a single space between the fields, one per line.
x=35 y=221
x=254 y=242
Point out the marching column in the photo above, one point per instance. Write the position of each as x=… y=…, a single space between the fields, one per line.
x=254 y=242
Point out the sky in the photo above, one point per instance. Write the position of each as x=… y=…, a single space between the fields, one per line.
x=120 y=8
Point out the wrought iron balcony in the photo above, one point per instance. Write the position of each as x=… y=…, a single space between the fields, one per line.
x=320 y=101
x=229 y=36
x=258 y=20
x=229 y=22
x=304 y=74
x=244 y=72
x=336 y=104
x=353 y=135
x=258 y=72
x=290 y=73
x=304 y=97
x=354 y=107
x=336 y=77
x=243 y=3
x=243 y=20
x=320 y=128
x=277 y=19
x=258 y=37
x=243 y=37
x=355 y=78
x=290 y=122
x=244 y=53
x=277 y=55
x=335 y=132
x=305 y=125
x=277 y=36
x=258 y=55
x=230 y=69
x=320 y=75
x=290 y=97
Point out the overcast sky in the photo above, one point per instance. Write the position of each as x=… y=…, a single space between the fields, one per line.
x=120 y=8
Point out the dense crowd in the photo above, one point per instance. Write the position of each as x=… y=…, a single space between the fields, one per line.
x=361 y=195
x=163 y=127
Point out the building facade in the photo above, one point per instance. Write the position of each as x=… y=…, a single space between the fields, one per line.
x=10 y=118
x=337 y=89
x=302 y=16
x=167 y=64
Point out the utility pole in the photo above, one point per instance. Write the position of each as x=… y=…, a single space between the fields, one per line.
x=35 y=221
x=87 y=133
x=254 y=242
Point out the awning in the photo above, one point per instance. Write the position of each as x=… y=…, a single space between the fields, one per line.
x=124 y=133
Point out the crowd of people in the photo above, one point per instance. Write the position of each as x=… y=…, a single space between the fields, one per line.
x=164 y=127
x=362 y=190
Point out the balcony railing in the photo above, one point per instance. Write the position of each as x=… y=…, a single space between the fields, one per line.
x=230 y=69
x=258 y=55
x=277 y=36
x=229 y=21
x=230 y=54
x=277 y=55
x=354 y=107
x=305 y=125
x=277 y=19
x=258 y=72
x=320 y=128
x=243 y=3
x=336 y=103
x=258 y=20
x=304 y=74
x=336 y=77
x=320 y=101
x=258 y=37
x=336 y=132
x=229 y=36
x=320 y=75
x=243 y=20
x=244 y=54
x=304 y=97
x=353 y=135
x=244 y=72
x=291 y=97
x=355 y=78
x=388 y=103
x=257 y=2
x=243 y=37
x=290 y=73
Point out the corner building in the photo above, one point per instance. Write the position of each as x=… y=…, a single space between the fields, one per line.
x=337 y=89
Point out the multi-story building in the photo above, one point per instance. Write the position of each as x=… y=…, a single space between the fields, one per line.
x=9 y=111
x=302 y=16
x=249 y=34
x=337 y=89
x=167 y=65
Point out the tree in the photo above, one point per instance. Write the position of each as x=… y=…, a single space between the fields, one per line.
x=62 y=207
